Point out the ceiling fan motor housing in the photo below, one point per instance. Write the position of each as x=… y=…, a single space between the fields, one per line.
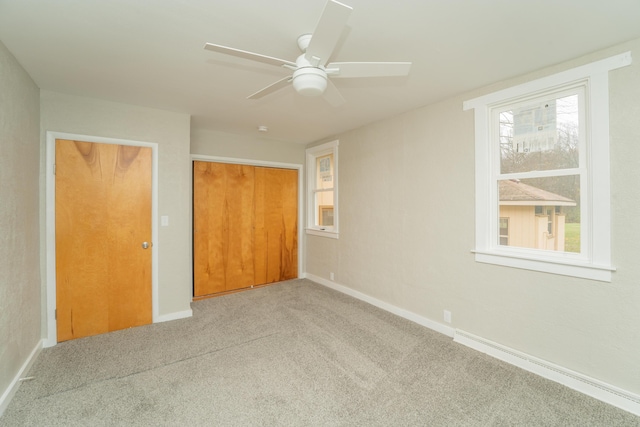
x=309 y=79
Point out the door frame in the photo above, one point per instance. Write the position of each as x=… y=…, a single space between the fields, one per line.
x=50 y=226
x=264 y=163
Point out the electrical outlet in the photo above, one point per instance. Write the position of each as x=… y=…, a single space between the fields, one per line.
x=447 y=316
x=331 y=276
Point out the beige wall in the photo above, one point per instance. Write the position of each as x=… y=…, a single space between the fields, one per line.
x=93 y=117
x=220 y=144
x=19 y=235
x=407 y=240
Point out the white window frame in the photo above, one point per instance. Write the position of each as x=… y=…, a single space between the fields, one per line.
x=313 y=154
x=594 y=261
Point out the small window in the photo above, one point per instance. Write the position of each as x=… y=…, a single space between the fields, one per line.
x=322 y=189
x=326 y=215
x=542 y=173
x=504 y=231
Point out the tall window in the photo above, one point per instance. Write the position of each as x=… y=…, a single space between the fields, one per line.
x=540 y=143
x=322 y=190
x=542 y=161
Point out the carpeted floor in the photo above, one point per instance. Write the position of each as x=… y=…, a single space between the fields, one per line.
x=291 y=354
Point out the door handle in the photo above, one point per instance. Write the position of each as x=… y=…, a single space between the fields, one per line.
x=145 y=245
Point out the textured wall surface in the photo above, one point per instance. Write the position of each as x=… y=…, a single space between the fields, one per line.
x=212 y=143
x=86 y=116
x=407 y=231
x=19 y=232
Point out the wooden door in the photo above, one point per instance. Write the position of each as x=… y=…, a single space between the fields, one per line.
x=223 y=227
x=103 y=216
x=245 y=226
x=276 y=228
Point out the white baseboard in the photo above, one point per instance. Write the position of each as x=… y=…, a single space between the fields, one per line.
x=8 y=394
x=174 y=316
x=590 y=386
x=428 y=323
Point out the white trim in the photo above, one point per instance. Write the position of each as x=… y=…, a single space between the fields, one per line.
x=322 y=233
x=537 y=203
x=50 y=235
x=8 y=394
x=582 y=383
x=541 y=174
x=251 y=162
x=269 y=164
x=584 y=271
x=174 y=316
x=420 y=320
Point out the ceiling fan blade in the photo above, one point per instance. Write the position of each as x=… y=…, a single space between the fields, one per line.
x=249 y=55
x=332 y=95
x=271 y=88
x=368 y=69
x=327 y=32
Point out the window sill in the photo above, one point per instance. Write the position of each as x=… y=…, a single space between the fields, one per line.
x=561 y=267
x=322 y=233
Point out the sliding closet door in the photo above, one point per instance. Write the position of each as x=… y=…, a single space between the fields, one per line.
x=276 y=237
x=223 y=227
x=245 y=226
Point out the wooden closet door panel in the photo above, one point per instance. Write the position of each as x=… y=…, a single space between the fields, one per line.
x=277 y=205
x=289 y=245
x=208 y=180
x=223 y=227
x=260 y=235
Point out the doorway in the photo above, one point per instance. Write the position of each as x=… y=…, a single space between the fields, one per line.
x=113 y=224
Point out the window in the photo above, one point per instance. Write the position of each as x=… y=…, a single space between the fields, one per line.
x=322 y=190
x=542 y=173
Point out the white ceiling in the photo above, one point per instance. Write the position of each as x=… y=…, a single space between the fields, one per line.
x=150 y=52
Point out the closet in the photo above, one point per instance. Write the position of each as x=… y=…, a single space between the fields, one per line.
x=245 y=230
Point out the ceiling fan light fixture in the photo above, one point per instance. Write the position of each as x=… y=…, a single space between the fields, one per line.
x=312 y=67
x=310 y=81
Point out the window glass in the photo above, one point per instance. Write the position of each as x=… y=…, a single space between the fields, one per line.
x=322 y=190
x=325 y=216
x=324 y=167
x=544 y=213
x=539 y=142
x=543 y=135
x=504 y=231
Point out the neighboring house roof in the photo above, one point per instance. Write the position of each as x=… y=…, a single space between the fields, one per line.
x=514 y=192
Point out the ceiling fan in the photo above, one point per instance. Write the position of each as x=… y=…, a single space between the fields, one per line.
x=312 y=69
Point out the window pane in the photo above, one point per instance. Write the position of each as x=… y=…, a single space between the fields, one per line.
x=324 y=168
x=540 y=136
x=540 y=213
x=324 y=208
x=326 y=215
x=504 y=231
